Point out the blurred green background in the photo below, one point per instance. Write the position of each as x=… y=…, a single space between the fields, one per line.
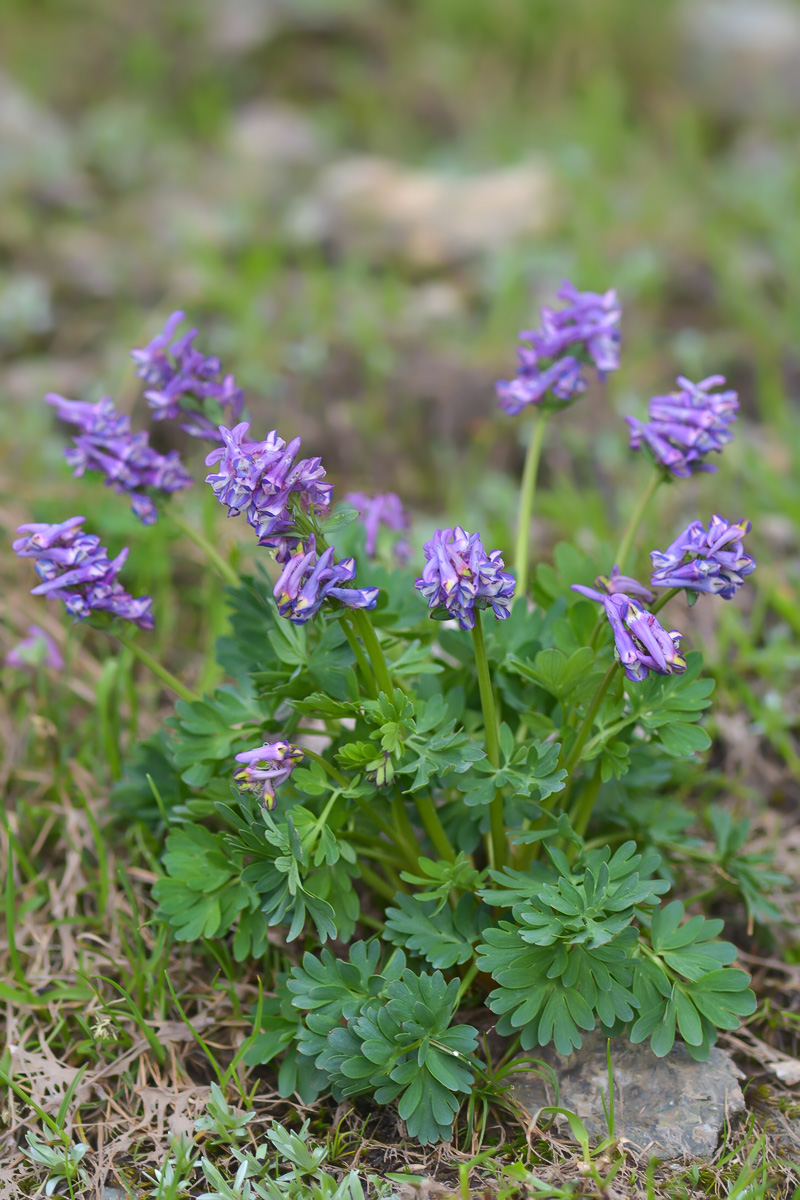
x=361 y=204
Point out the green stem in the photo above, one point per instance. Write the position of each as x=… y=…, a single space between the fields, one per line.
x=497 y=828
x=572 y=759
x=225 y=569
x=326 y=766
x=155 y=666
x=363 y=627
x=434 y=827
x=466 y=981
x=526 y=495
x=404 y=826
x=581 y=811
x=375 y=882
x=665 y=599
x=360 y=657
x=624 y=548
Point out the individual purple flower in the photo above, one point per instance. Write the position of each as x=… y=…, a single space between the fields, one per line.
x=642 y=644
x=263 y=480
x=105 y=443
x=615 y=583
x=459 y=576
x=183 y=382
x=266 y=768
x=36 y=650
x=588 y=327
x=384 y=509
x=687 y=425
x=309 y=580
x=75 y=568
x=705 y=560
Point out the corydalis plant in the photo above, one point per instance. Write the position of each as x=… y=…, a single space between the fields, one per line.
x=467 y=806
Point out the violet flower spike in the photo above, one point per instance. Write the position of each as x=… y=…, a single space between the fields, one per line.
x=75 y=569
x=585 y=330
x=266 y=768
x=36 y=650
x=308 y=581
x=384 y=509
x=642 y=644
x=182 y=380
x=687 y=425
x=700 y=560
x=459 y=576
x=263 y=480
x=105 y=443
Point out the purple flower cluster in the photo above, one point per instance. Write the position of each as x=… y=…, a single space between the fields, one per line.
x=75 y=568
x=182 y=382
x=587 y=326
x=263 y=480
x=705 y=560
x=384 y=509
x=266 y=768
x=687 y=425
x=459 y=576
x=36 y=650
x=308 y=580
x=642 y=644
x=128 y=461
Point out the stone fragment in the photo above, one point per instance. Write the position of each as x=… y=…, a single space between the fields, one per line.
x=36 y=153
x=742 y=57
x=383 y=209
x=671 y=1108
x=269 y=136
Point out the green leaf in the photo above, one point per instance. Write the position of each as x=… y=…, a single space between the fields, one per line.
x=442 y=937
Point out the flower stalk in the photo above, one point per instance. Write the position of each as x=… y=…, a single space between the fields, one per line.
x=497 y=828
x=526 y=498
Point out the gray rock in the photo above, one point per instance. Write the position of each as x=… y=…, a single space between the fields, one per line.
x=742 y=57
x=35 y=149
x=383 y=209
x=267 y=136
x=239 y=27
x=25 y=310
x=672 y=1108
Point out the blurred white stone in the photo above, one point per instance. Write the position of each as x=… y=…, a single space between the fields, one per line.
x=267 y=135
x=384 y=209
x=742 y=57
x=237 y=27
x=35 y=149
x=25 y=310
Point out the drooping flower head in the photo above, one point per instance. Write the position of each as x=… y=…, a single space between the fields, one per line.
x=266 y=768
x=105 y=443
x=384 y=509
x=615 y=583
x=460 y=577
x=687 y=425
x=185 y=384
x=36 y=650
x=585 y=330
x=705 y=560
x=309 y=580
x=642 y=644
x=263 y=480
x=75 y=568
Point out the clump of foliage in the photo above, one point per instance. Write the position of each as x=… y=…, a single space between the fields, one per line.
x=401 y=818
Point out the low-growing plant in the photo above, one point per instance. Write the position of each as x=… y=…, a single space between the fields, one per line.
x=442 y=789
